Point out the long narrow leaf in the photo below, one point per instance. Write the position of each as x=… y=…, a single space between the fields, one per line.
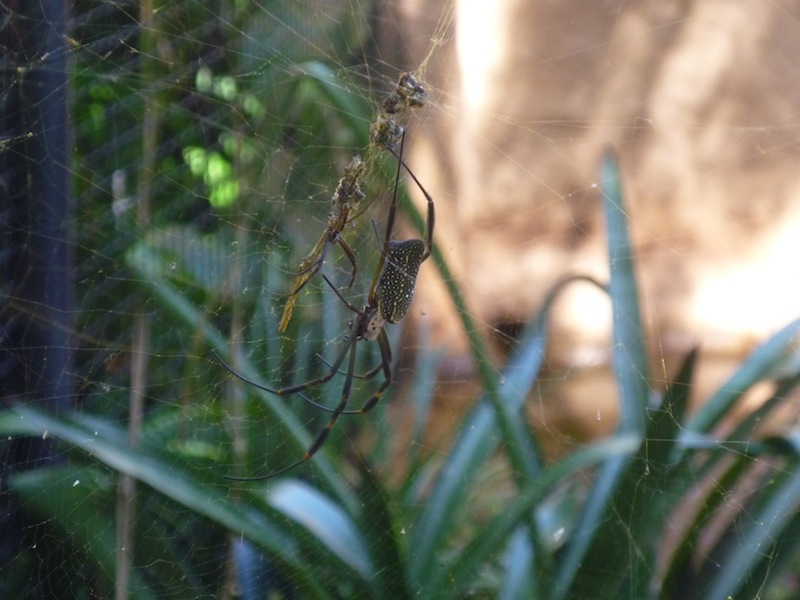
x=61 y=496
x=630 y=371
x=755 y=542
x=149 y=265
x=325 y=520
x=478 y=438
x=167 y=479
x=758 y=366
x=630 y=349
x=518 y=583
x=667 y=420
x=349 y=104
x=384 y=534
x=450 y=581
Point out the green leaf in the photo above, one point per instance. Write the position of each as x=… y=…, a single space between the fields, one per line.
x=751 y=540
x=668 y=419
x=518 y=582
x=478 y=438
x=350 y=105
x=106 y=444
x=451 y=581
x=630 y=349
x=763 y=362
x=630 y=371
x=147 y=262
x=384 y=534
x=324 y=519
x=71 y=499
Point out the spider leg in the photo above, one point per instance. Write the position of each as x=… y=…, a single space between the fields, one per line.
x=294 y=389
x=343 y=299
x=393 y=205
x=377 y=233
x=348 y=252
x=431 y=211
x=307 y=269
x=306 y=274
x=238 y=375
x=389 y=227
x=260 y=386
x=319 y=441
x=340 y=408
x=386 y=364
x=375 y=370
x=368 y=375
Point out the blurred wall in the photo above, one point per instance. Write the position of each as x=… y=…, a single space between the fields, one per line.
x=700 y=99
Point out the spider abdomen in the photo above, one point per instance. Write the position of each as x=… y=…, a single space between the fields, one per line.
x=396 y=285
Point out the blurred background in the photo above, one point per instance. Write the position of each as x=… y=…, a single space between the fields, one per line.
x=696 y=98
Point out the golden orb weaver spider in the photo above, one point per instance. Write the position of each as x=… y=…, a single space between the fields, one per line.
x=346 y=200
x=389 y=301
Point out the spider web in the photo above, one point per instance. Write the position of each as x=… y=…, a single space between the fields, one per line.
x=207 y=143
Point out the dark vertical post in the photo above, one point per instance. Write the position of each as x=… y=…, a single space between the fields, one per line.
x=36 y=250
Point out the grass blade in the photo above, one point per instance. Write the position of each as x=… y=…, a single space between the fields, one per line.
x=480 y=437
x=630 y=370
x=449 y=582
x=148 y=264
x=326 y=521
x=105 y=444
x=763 y=362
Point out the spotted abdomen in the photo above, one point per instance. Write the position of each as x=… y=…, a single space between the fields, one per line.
x=396 y=285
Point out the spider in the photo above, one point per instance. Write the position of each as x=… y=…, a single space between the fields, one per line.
x=346 y=200
x=389 y=300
